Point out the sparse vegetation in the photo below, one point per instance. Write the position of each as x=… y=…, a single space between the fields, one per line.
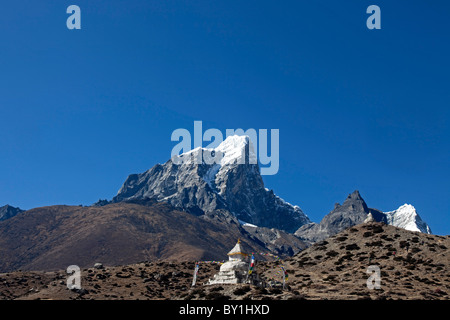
x=332 y=270
x=216 y=296
x=219 y=288
x=332 y=253
x=377 y=229
x=352 y=246
x=242 y=290
x=374 y=244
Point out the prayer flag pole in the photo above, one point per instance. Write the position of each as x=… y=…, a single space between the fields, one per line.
x=195 y=274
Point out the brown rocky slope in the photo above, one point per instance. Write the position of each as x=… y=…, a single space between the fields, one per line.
x=413 y=265
x=52 y=238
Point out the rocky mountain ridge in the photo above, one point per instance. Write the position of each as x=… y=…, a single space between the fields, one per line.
x=234 y=183
x=355 y=211
x=8 y=211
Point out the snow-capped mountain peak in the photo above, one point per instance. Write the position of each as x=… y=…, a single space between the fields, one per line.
x=407 y=217
x=232 y=182
x=233 y=150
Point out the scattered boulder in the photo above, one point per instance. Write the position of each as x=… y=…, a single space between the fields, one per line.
x=98 y=265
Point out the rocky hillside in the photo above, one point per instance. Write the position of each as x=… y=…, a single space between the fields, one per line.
x=51 y=238
x=413 y=265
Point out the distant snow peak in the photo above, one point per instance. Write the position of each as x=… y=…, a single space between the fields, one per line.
x=406 y=217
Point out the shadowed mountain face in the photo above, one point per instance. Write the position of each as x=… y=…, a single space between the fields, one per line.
x=58 y=236
x=354 y=211
x=8 y=211
x=234 y=183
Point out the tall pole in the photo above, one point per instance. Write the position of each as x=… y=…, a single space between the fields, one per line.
x=195 y=274
x=250 y=266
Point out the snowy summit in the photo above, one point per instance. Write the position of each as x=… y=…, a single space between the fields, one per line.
x=230 y=151
x=406 y=217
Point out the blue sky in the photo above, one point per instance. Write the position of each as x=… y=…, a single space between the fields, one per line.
x=356 y=108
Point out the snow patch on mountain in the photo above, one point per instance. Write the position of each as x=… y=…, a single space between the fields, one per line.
x=246 y=224
x=230 y=152
x=210 y=175
x=233 y=150
x=406 y=217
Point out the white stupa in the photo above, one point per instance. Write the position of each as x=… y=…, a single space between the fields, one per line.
x=369 y=218
x=235 y=269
